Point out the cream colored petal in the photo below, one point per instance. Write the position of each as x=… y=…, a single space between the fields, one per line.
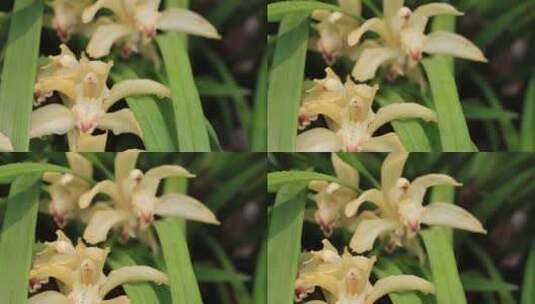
x=344 y=171
x=392 y=169
x=52 y=177
x=316 y=302
x=318 y=140
x=323 y=280
x=91 y=143
x=373 y=195
x=153 y=177
x=318 y=186
x=107 y=187
x=104 y=37
x=446 y=43
x=370 y=60
x=62 y=273
x=90 y=12
x=51 y=119
x=101 y=223
x=135 y=87
x=120 y=122
x=419 y=186
x=186 y=21
x=421 y=15
x=451 y=215
x=5 y=143
x=398 y=283
x=375 y=25
x=368 y=231
x=49 y=297
x=59 y=83
x=125 y=162
x=118 y=300
x=80 y=165
x=132 y=274
x=386 y=143
x=184 y=206
x=400 y=111
x=354 y=6
x=391 y=9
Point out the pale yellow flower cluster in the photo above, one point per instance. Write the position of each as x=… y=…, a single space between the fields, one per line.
x=397 y=218
x=398 y=46
x=5 y=143
x=130 y=207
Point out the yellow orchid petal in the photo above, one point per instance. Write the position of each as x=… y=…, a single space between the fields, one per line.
x=135 y=87
x=131 y=274
x=104 y=37
x=90 y=12
x=344 y=171
x=451 y=215
x=120 y=122
x=419 y=186
x=101 y=223
x=5 y=143
x=392 y=169
x=398 y=283
x=375 y=25
x=186 y=21
x=52 y=177
x=318 y=140
x=391 y=9
x=118 y=300
x=125 y=162
x=58 y=271
x=400 y=111
x=49 y=297
x=368 y=231
x=421 y=15
x=446 y=43
x=166 y=171
x=184 y=206
x=51 y=119
x=323 y=280
x=373 y=195
x=80 y=165
x=354 y=6
x=386 y=143
x=107 y=187
x=82 y=142
x=370 y=60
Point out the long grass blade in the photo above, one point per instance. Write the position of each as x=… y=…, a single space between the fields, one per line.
x=454 y=133
x=17 y=239
x=259 y=122
x=188 y=113
x=276 y=180
x=528 y=119
x=260 y=284
x=439 y=248
x=157 y=135
x=284 y=243
x=11 y=171
x=286 y=82
x=18 y=73
x=528 y=286
x=276 y=11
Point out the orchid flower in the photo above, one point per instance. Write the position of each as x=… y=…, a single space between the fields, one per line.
x=79 y=273
x=87 y=99
x=5 y=143
x=403 y=40
x=136 y=22
x=345 y=279
x=331 y=198
x=68 y=17
x=334 y=28
x=65 y=189
x=400 y=210
x=350 y=118
x=135 y=202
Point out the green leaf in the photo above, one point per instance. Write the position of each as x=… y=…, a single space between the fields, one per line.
x=138 y=293
x=439 y=248
x=410 y=131
x=284 y=243
x=528 y=119
x=260 y=283
x=17 y=239
x=213 y=88
x=353 y=160
x=478 y=283
x=286 y=82
x=11 y=171
x=157 y=136
x=528 y=286
x=475 y=111
x=278 y=179
x=454 y=133
x=18 y=74
x=210 y=274
x=259 y=122
x=276 y=11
